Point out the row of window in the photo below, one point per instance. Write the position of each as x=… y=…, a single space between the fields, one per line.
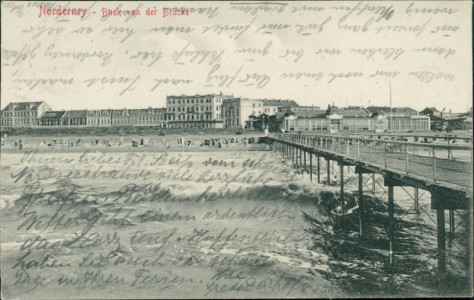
x=19 y=121
x=53 y=122
x=19 y=113
x=268 y=110
x=138 y=120
x=191 y=125
x=193 y=117
x=137 y=113
x=408 y=124
x=192 y=109
x=192 y=101
x=232 y=122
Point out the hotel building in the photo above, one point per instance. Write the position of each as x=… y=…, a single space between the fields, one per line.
x=198 y=111
x=23 y=114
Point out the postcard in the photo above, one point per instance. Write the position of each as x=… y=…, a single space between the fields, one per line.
x=236 y=149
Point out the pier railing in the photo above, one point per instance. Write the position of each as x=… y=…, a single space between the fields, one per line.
x=411 y=136
x=439 y=161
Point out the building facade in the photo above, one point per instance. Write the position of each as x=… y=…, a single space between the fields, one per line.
x=398 y=119
x=285 y=109
x=354 y=119
x=99 y=117
x=74 y=118
x=315 y=120
x=198 y=111
x=23 y=114
x=222 y=111
x=139 y=117
x=271 y=106
x=241 y=113
x=52 y=118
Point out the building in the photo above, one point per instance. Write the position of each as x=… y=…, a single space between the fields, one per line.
x=398 y=119
x=271 y=106
x=313 y=120
x=241 y=113
x=356 y=119
x=255 y=113
x=411 y=123
x=99 y=117
x=285 y=109
x=139 y=117
x=198 y=111
x=52 y=118
x=442 y=120
x=74 y=118
x=432 y=112
x=352 y=118
x=331 y=120
x=23 y=114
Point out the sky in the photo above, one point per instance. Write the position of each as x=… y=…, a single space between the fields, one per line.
x=415 y=54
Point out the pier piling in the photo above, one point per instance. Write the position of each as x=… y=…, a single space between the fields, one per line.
x=417 y=198
x=341 y=168
x=301 y=163
x=441 y=249
x=319 y=170
x=361 y=206
x=373 y=182
x=304 y=158
x=451 y=221
x=390 y=224
x=328 y=167
x=445 y=184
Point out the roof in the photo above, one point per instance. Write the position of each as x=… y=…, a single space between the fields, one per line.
x=388 y=109
x=309 y=107
x=431 y=109
x=351 y=111
x=199 y=96
x=394 y=111
x=23 y=105
x=53 y=114
x=320 y=113
x=70 y=114
x=273 y=102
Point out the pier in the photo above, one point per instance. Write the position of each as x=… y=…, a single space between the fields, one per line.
x=440 y=165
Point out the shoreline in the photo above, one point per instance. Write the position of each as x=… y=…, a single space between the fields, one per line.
x=254 y=147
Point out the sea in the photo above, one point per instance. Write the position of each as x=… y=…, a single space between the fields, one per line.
x=223 y=224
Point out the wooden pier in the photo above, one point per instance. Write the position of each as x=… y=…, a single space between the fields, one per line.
x=436 y=164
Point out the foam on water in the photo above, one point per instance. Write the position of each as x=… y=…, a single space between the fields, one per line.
x=328 y=250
